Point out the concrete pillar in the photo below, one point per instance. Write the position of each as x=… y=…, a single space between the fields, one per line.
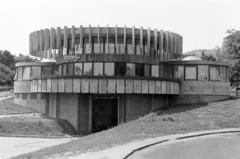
x=81 y=40
x=141 y=40
x=116 y=39
x=125 y=38
x=90 y=37
x=166 y=46
x=65 y=40
x=30 y=43
x=73 y=34
x=38 y=41
x=133 y=39
x=47 y=43
x=161 y=44
x=59 y=42
x=53 y=43
x=107 y=38
x=42 y=43
x=148 y=39
x=155 y=42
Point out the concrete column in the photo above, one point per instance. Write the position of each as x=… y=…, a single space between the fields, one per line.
x=73 y=34
x=133 y=39
x=148 y=39
x=30 y=43
x=81 y=40
x=155 y=42
x=107 y=38
x=141 y=39
x=42 y=43
x=166 y=43
x=170 y=46
x=125 y=38
x=90 y=114
x=65 y=40
x=52 y=43
x=59 y=42
x=116 y=39
x=38 y=41
x=161 y=44
x=98 y=40
x=90 y=37
x=47 y=43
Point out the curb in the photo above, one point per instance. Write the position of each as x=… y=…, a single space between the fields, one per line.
x=36 y=136
x=181 y=138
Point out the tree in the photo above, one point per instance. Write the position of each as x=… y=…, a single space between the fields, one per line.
x=7 y=59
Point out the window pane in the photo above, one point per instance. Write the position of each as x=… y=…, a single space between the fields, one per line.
x=130 y=49
x=178 y=72
x=222 y=73
x=109 y=69
x=130 y=69
x=64 y=69
x=155 y=71
x=169 y=71
x=78 y=69
x=98 y=68
x=214 y=73
x=59 y=69
x=20 y=72
x=120 y=69
x=87 y=68
x=140 y=70
x=109 y=49
x=26 y=72
x=190 y=72
x=55 y=70
x=147 y=70
x=36 y=71
x=70 y=69
x=202 y=72
x=161 y=71
x=46 y=71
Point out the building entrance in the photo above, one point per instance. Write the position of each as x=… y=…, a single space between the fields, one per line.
x=104 y=113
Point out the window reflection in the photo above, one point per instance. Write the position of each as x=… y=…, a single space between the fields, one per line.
x=120 y=69
x=147 y=70
x=70 y=69
x=19 y=73
x=46 y=70
x=26 y=73
x=178 y=71
x=155 y=71
x=214 y=73
x=36 y=71
x=140 y=70
x=130 y=49
x=130 y=69
x=202 y=72
x=98 y=69
x=78 y=68
x=87 y=68
x=190 y=73
x=161 y=71
x=109 y=69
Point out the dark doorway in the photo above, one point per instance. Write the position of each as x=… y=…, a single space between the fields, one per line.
x=104 y=113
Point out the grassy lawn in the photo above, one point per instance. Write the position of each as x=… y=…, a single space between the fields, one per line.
x=171 y=120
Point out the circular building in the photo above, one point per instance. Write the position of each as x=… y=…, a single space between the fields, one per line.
x=99 y=77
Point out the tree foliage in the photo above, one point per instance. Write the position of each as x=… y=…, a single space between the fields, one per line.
x=7 y=59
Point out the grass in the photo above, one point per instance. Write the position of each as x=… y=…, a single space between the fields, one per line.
x=171 y=120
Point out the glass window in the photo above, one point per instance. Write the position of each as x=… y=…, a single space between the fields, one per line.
x=46 y=70
x=55 y=70
x=130 y=69
x=155 y=71
x=26 y=72
x=98 y=69
x=145 y=48
x=59 y=69
x=78 y=68
x=33 y=95
x=140 y=70
x=227 y=74
x=64 y=69
x=109 y=69
x=19 y=73
x=36 y=71
x=169 y=71
x=190 y=73
x=147 y=70
x=214 y=73
x=120 y=69
x=130 y=49
x=109 y=48
x=222 y=73
x=87 y=66
x=70 y=69
x=178 y=71
x=87 y=46
x=120 y=47
x=161 y=71
x=24 y=95
x=138 y=47
x=202 y=72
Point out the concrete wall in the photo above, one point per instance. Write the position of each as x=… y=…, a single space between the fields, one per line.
x=84 y=114
x=139 y=105
x=200 y=92
x=37 y=104
x=68 y=108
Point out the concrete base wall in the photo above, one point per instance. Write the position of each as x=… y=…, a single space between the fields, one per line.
x=139 y=105
x=37 y=104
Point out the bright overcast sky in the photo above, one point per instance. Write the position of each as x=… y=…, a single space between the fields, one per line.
x=202 y=23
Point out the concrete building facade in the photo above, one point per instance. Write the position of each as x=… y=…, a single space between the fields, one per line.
x=99 y=77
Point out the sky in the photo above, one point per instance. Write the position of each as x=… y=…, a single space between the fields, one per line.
x=202 y=23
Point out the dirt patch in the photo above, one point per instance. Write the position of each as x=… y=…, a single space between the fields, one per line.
x=34 y=126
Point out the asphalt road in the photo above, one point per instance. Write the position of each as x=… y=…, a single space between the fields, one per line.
x=14 y=146
x=223 y=146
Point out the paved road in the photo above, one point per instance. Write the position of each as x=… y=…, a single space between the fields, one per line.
x=224 y=146
x=14 y=146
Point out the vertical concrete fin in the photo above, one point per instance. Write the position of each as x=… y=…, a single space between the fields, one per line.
x=141 y=40
x=125 y=38
x=59 y=42
x=133 y=39
x=65 y=40
x=73 y=35
x=155 y=42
